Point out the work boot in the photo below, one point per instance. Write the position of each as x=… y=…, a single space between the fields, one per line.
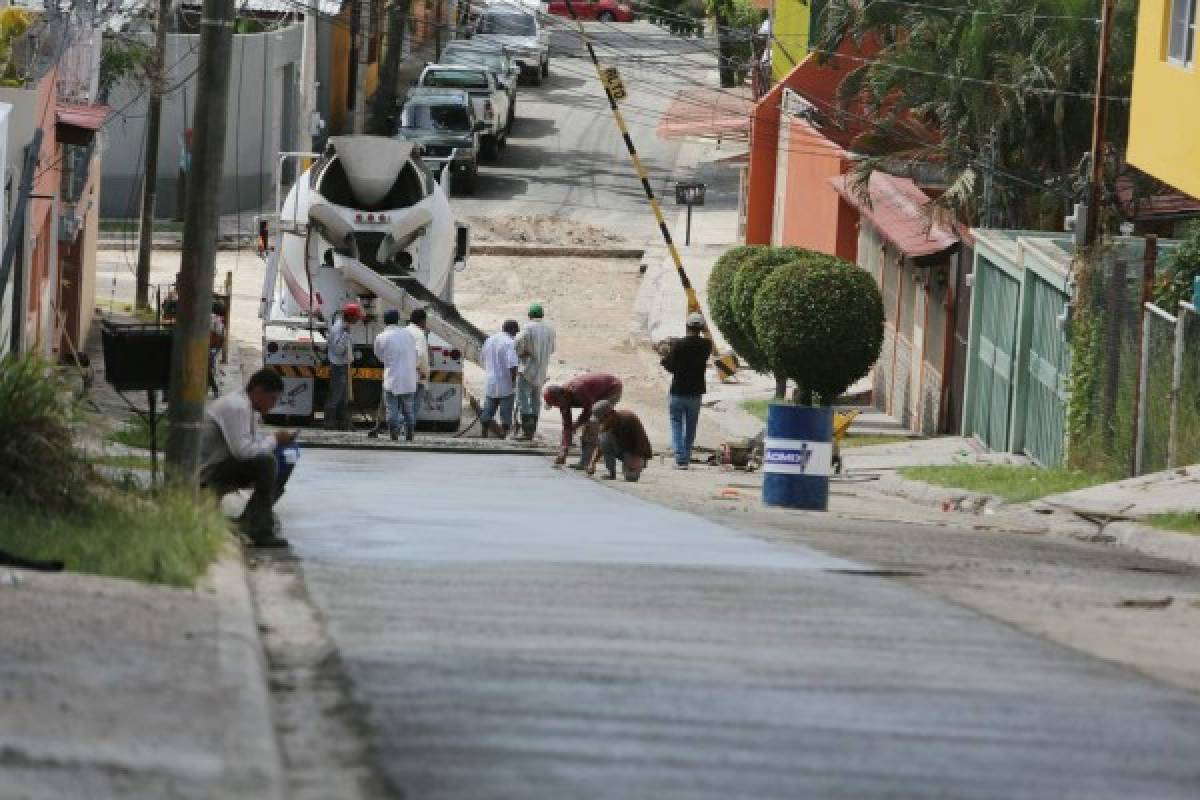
x=394 y=434
x=528 y=426
x=585 y=455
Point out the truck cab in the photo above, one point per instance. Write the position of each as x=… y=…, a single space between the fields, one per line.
x=444 y=124
x=490 y=101
x=518 y=30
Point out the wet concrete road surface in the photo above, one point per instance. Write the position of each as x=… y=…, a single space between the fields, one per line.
x=517 y=632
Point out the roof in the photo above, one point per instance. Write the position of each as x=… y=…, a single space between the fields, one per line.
x=708 y=112
x=896 y=208
x=1166 y=204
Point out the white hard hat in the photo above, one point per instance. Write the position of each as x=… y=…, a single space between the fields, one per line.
x=695 y=320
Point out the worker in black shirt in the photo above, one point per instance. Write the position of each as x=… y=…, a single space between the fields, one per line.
x=686 y=360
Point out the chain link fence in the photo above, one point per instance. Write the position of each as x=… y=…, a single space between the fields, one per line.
x=1184 y=430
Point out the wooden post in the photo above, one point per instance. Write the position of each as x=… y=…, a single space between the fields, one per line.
x=1149 y=260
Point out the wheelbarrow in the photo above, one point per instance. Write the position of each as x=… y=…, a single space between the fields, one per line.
x=842 y=420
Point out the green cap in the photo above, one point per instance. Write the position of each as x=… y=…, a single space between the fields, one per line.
x=535 y=310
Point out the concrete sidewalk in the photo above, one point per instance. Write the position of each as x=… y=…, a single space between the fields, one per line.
x=114 y=689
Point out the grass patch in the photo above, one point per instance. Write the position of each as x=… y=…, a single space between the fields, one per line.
x=146 y=315
x=757 y=407
x=1015 y=484
x=123 y=461
x=169 y=536
x=136 y=433
x=1179 y=521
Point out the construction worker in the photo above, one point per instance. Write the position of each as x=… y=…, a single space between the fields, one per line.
x=686 y=360
x=582 y=392
x=622 y=438
x=418 y=329
x=233 y=455
x=340 y=352
x=499 y=357
x=398 y=352
x=535 y=345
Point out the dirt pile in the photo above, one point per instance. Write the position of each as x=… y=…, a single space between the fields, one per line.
x=541 y=229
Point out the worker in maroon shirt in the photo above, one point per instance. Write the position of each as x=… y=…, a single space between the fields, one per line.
x=581 y=392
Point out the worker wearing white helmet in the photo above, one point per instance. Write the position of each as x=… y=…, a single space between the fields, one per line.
x=686 y=360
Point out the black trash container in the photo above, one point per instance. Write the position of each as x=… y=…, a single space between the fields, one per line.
x=137 y=356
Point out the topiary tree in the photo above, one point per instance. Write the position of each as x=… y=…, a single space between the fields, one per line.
x=720 y=293
x=819 y=321
x=746 y=283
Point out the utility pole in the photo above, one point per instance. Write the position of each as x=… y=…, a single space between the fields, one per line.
x=308 y=82
x=989 y=168
x=189 y=352
x=1099 y=121
x=363 y=46
x=150 y=165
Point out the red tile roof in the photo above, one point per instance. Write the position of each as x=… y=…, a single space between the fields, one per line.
x=88 y=117
x=896 y=207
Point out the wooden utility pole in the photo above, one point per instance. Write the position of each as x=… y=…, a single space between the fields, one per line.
x=150 y=166
x=1099 y=121
x=189 y=353
x=363 y=46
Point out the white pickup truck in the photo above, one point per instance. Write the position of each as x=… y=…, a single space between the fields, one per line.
x=491 y=101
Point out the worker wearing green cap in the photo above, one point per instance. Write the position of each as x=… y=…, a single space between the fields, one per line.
x=535 y=345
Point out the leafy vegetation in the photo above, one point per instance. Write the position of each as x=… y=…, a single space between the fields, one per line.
x=720 y=303
x=1181 y=522
x=1183 y=267
x=14 y=23
x=168 y=536
x=820 y=322
x=1014 y=484
x=136 y=432
x=956 y=83
x=122 y=60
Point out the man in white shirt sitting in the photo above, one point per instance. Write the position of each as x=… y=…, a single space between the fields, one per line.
x=233 y=455
x=500 y=362
x=398 y=352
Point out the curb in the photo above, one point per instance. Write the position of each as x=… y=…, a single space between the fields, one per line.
x=253 y=763
x=551 y=251
x=941 y=497
x=170 y=245
x=1154 y=542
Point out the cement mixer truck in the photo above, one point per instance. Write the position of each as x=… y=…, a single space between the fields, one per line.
x=366 y=223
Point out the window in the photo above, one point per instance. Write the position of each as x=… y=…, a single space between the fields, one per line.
x=436 y=117
x=1182 y=39
x=508 y=24
x=456 y=79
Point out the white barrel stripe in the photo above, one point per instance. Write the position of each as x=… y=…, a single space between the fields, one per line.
x=798 y=457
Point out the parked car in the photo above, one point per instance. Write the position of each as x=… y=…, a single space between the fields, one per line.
x=603 y=10
x=519 y=32
x=471 y=54
x=444 y=124
x=490 y=101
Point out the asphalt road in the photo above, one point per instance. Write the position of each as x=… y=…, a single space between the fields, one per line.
x=518 y=632
x=565 y=155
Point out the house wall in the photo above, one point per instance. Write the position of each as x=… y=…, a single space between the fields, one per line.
x=808 y=211
x=790 y=22
x=6 y=289
x=266 y=66
x=1161 y=114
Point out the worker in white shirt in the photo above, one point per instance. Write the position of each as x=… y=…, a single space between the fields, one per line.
x=500 y=362
x=233 y=455
x=418 y=328
x=535 y=345
x=398 y=352
x=340 y=352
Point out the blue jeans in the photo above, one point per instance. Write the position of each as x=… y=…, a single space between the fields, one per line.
x=401 y=412
x=337 y=409
x=685 y=413
x=502 y=404
x=529 y=398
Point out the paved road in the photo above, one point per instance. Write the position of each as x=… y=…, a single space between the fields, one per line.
x=591 y=645
x=565 y=155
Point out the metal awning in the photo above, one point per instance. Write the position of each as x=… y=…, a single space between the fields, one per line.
x=708 y=113
x=897 y=209
x=77 y=124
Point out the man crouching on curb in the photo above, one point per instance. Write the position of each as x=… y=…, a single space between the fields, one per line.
x=234 y=456
x=622 y=438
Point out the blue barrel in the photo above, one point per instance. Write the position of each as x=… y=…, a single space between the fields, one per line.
x=798 y=457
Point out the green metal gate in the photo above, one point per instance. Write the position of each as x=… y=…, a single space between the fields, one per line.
x=1044 y=394
x=996 y=294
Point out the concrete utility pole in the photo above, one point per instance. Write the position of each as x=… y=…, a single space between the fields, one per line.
x=1099 y=121
x=389 y=69
x=150 y=165
x=308 y=82
x=360 y=76
x=189 y=353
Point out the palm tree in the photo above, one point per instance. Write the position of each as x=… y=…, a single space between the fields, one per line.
x=1006 y=84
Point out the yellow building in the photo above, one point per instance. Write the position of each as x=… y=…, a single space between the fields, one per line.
x=1165 y=114
x=789 y=34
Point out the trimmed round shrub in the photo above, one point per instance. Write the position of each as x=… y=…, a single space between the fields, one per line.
x=720 y=292
x=741 y=302
x=819 y=322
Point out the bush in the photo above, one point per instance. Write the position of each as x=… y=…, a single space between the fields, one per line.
x=746 y=284
x=1183 y=266
x=39 y=464
x=720 y=293
x=819 y=320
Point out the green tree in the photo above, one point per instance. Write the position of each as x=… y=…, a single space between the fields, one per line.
x=1183 y=267
x=720 y=297
x=820 y=322
x=983 y=87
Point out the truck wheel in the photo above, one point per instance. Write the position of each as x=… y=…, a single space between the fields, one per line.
x=447 y=425
x=490 y=149
x=512 y=117
x=466 y=182
x=546 y=68
x=537 y=77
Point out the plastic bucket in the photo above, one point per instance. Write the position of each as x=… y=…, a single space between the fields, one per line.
x=797 y=457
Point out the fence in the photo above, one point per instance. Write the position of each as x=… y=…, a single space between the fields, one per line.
x=1169 y=414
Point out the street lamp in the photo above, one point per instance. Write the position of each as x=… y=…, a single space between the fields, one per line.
x=689 y=193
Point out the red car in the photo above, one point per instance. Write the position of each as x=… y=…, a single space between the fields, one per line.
x=603 y=10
